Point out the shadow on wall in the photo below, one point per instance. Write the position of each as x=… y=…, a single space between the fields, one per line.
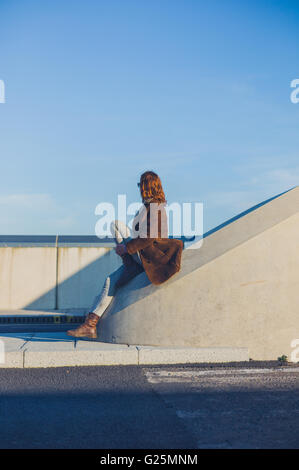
x=78 y=290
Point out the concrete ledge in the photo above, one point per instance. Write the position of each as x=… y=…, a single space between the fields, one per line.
x=156 y=355
x=30 y=350
x=49 y=350
x=12 y=350
x=105 y=354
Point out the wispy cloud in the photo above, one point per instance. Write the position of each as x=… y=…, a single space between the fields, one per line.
x=233 y=200
x=23 y=213
x=280 y=178
x=260 y=186
x=27 y=201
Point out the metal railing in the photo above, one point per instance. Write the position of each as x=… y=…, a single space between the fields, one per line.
x=63 y=240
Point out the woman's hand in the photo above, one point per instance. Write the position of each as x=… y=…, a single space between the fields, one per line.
x=121 y=249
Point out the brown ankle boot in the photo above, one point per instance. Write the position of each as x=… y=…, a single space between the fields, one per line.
x=88 y=329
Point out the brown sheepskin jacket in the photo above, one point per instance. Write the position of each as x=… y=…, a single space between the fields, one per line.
x=160 y=256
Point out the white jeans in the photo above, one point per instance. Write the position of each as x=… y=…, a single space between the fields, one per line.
x=122 y=234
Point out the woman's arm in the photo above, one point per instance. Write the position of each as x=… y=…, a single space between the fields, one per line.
x=138 y=244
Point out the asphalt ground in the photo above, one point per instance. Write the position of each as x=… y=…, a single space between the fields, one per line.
x=231 y=406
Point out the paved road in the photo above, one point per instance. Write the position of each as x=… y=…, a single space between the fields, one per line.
x=149 y=407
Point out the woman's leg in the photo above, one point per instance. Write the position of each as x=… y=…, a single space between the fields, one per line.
x=100 y=304
x=121 y=234
x=103 y=300
x=120 y=231
x=130 y=268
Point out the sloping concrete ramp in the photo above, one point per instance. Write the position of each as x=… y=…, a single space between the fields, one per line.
x=240 y=289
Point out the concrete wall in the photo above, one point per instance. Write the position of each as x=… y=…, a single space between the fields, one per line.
x=25 y=275
x=241 y=289
x=81 y=274
x=46 y=277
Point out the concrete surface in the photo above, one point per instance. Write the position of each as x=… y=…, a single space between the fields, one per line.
x=45 y=278
x=30 y=350
x=81 y=274
x=239 y=290
x=158 y=355
x=141 y=407
x=27 y=274
x=13 y=352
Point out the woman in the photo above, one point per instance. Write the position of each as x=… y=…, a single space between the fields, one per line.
x=147 y=248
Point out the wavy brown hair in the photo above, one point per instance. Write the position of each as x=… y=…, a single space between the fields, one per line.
x=151 y=187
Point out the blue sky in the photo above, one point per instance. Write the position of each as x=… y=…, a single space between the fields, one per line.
x=99 y=91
